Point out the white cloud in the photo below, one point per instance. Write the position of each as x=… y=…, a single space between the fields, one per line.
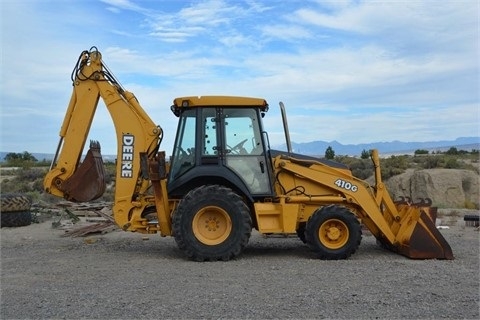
x=286 y=32
x=375 y=67
x=117 y=5
x=208 y=13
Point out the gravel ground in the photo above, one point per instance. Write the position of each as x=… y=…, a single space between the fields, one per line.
x=122 y=275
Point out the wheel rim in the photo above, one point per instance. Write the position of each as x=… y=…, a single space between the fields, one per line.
x=333 y=234
x=212 y=225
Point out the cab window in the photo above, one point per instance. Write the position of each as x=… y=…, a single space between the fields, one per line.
x=184 y=148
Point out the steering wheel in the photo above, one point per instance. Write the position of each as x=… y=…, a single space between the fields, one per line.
x=183 y=152
x=238 y=147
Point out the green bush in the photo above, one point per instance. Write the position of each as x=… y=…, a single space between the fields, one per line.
x=431 y=162
x=362 y=168
x=452 y=151
x=451 y=163
x=26 y=180
x=420 y=151
x=471 y=205
x=394 y=165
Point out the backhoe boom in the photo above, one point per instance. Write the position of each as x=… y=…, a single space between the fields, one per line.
x=137 y=137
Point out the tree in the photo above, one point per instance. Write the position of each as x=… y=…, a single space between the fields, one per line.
x=329 y=153
x=365 y=154
x=19 y=159
x=452 y=151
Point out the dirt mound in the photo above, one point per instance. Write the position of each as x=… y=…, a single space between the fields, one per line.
x=446 y=187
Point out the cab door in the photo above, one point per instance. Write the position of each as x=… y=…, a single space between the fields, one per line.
x=244 y=149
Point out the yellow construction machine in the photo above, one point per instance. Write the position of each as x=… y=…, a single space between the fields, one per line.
x=223 y=179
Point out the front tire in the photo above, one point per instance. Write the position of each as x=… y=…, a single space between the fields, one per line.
x=301 y=231
x=333 y=233
x=212 y=223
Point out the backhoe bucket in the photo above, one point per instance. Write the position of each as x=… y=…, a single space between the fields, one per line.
x=418 y=237
x=88 y=181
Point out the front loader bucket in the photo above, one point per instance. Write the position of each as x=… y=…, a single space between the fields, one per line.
x=88 y=181
x=418 y=237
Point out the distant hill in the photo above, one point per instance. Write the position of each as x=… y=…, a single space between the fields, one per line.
x=318 y=148
x=393 y=147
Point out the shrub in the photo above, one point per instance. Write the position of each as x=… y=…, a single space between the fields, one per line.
x=394 y=165
x=420 y=151
x=431 y=162
x=452 y=163
x=471 y=205
x=362 y=168
x=452 y=151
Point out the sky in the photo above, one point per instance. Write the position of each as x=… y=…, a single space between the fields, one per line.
x=350 y=71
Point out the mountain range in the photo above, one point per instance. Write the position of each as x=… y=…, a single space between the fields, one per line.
x=385 y=148
x=317 y=148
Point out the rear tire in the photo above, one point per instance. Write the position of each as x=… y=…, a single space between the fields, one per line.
x=212 y=223
x=15 y=210
x=333 y=233
x=14 y=202
x=16 y=218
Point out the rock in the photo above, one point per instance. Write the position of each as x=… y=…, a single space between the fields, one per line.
x=446 y=187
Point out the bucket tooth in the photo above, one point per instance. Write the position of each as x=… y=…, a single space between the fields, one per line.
x=423 y=202
x=403 y=200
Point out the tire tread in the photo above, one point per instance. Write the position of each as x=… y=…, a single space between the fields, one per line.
x=11 y=202
x=182 y=228
x=338 y=212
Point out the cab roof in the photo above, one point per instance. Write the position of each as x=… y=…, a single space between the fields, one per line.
x=217 y=101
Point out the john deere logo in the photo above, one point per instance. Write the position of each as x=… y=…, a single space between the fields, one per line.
x=127 y=155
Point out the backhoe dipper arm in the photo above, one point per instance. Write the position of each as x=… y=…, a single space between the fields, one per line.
x=137 y=136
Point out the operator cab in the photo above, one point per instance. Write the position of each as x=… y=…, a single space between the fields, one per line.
x=220 y=140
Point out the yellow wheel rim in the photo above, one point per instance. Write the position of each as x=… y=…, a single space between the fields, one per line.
x=211 y=225
x=333 y=234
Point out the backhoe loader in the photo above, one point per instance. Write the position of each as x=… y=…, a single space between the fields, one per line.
x=223 y=179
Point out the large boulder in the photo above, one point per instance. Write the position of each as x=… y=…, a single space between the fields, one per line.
x=446 y=187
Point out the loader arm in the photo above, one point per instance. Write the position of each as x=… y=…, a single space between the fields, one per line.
x=138 y=140
x=403 y=228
